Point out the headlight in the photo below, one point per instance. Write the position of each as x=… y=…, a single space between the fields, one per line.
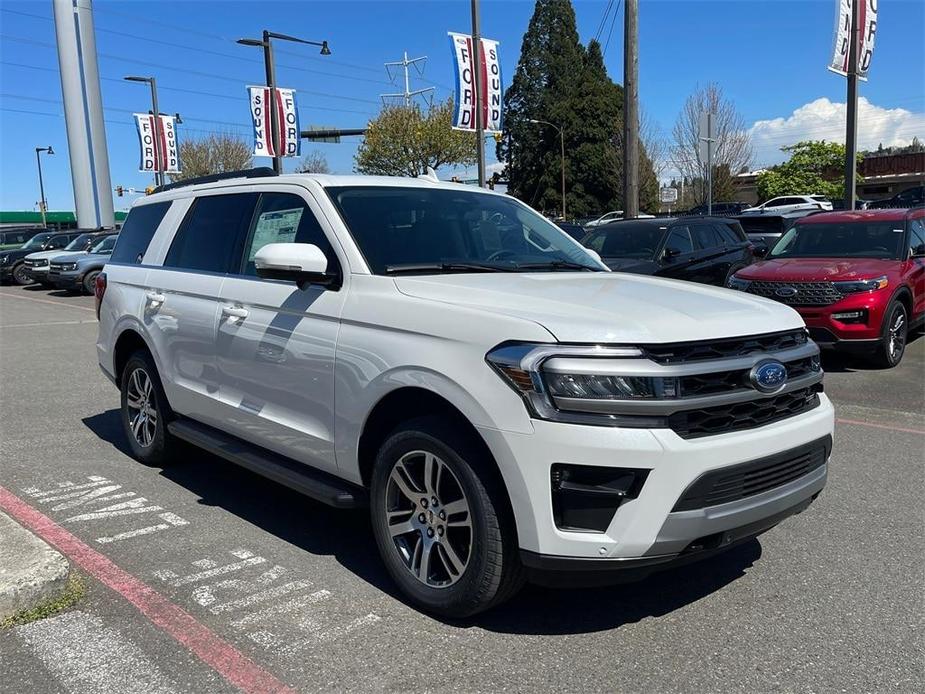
x=737 y=283
x=67 y=267
x=580 y=384
x=4 y=259
x=855 y=286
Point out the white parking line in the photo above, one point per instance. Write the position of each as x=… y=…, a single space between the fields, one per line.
x=87 y=657
x=46 y=301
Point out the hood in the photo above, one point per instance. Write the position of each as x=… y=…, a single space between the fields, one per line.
x=14 y=254
x=39 y=255
x=817 y=269
x=92 y=259
x=68 y=257
x=609 y=307
x=636 y=265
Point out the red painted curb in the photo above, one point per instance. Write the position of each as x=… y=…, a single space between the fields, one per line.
x=221 y=656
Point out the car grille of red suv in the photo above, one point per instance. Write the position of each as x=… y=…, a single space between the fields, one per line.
x=797 y=293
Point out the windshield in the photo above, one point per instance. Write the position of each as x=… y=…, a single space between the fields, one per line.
x=432 y=230
x=37 y=241
x=627 y=240
x=841 y=240
x=105 y=245
x=80 y=243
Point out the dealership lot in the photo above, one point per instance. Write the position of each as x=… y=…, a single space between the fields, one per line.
x=828 y=601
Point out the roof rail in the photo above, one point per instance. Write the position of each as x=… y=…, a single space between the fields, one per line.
x=259 y=172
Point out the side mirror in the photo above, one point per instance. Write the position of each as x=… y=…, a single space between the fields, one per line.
x=302 y=263
x=670 y=253
x=760 y=250
x=918 y=251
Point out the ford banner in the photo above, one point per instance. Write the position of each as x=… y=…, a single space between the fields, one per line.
x=159 y=150
x=868 y=22
x=287 y=120
x=464 y=113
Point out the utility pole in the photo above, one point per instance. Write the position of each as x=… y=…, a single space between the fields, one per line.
x=405 y=64
x=479 y=87
x=270 y=70
x=631 y=109
x=851 y=126
x=158 y=174
x=42 y=204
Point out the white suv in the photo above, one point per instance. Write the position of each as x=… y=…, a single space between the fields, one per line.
x=793 y=203
x=505 y=406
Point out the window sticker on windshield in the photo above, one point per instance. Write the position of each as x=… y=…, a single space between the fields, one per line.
x=280 y=226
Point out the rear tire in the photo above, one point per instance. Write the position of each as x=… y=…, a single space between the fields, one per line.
x=145 y=412
x=21 y=276
x=894 y=335
x=454 y=562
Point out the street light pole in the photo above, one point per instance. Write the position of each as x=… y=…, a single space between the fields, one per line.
x=152 y=82
x=562 y=145
x=851 y=124
x=270 y=70
x=42 y=203
x=631 y=109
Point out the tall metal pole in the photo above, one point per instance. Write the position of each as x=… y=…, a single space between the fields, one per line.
x=479 y=87
x=38 y=160
x=271 y=85
x=709 y=177
x=631 y=109
x=851 y=126
x=562 y=142
x=158 y=174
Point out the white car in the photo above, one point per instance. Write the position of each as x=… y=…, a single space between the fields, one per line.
x=505 y=406
x=793 y=203
x=605 y=219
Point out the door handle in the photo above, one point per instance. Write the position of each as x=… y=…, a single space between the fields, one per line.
x=155 y=299
x=234 y=312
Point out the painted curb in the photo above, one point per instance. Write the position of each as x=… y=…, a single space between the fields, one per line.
x=31 y=572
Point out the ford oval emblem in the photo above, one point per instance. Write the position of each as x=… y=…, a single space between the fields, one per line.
x=768 y=376
x=786 y=292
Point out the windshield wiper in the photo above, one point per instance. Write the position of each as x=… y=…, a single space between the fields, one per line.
x=556 y=265
x=424 y=268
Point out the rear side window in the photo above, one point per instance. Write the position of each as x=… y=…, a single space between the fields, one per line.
x=211 y=234
x=729 y=234
x=679 y=239
x=137 y=231
x=284 y=218
x=706 y=237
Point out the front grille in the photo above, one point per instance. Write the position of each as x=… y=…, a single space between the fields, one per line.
x=727 y=381
x=36 y=263
x=748 y=479
x=690 y=424
x=797 y=293
x=683 y=352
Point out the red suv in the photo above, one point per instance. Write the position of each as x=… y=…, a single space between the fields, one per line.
x=857 y=278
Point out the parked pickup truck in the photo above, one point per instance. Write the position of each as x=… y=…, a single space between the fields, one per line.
x=505 y=406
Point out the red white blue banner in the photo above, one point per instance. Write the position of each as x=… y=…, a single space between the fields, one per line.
x=843 y=28
x=490 y=67
x=157 y=141
x=286 y=114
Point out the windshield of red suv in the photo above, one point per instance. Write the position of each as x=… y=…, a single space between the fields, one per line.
x=436 y=230
x=865 y=239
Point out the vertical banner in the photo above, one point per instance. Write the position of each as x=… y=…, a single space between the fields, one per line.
x=868 y=11
x=165 y=155
x=285 y=112
x=464 y=113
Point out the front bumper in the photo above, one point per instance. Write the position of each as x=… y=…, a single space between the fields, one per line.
x=648 y=528
x=38 y=274
x=66 y=280
x=829 y=331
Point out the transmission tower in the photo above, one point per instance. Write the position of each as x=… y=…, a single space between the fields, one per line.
x=405 y=63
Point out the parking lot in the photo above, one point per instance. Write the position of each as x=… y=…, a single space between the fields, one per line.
x=831 y=600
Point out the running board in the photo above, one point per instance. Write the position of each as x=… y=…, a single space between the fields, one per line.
x=302 y=478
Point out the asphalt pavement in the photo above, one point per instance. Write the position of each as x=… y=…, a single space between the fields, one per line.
x=202 y=577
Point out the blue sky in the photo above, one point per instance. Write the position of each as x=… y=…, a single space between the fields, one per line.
x=769 y=57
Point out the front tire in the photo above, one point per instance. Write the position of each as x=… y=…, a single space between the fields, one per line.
x=145 y=411
x=89 y=282
x=441 y=522
x=21 y=276
x=895 y=332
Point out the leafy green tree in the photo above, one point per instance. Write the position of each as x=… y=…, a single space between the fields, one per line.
x=404 y=141
x=815 y=167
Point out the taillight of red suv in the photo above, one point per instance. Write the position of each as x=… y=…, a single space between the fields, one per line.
x=99 y=289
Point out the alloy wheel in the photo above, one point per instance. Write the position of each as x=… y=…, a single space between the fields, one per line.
x=897 y=335
x=429 y=519
x=141 y=405
x=21 y=275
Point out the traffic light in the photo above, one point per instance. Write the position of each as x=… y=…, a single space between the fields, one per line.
x=119 y=191
x=498 y=137
x=150 y=190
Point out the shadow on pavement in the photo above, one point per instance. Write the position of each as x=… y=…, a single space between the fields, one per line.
x=347 y=536
x=842 y=362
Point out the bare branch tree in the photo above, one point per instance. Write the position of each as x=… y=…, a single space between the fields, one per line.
x=213 y=154
x=732 y=150
x=653 y=140
x=314 y=162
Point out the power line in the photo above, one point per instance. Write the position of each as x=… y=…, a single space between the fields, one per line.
x=612 y=24
x=603 y=22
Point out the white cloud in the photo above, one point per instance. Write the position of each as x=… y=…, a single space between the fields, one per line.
x=824 y=120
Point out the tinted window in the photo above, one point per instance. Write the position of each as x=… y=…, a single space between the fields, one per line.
x=679 y=239
x=105 y=245
x=79 y=243
x=841 y=240
x=705 y=236
x=57 y=242
x=728 y=234
x=284 y=218
x=209 y=238
x=626 y=240
x=404 y=226
x=917 y=236
x=139 y=227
